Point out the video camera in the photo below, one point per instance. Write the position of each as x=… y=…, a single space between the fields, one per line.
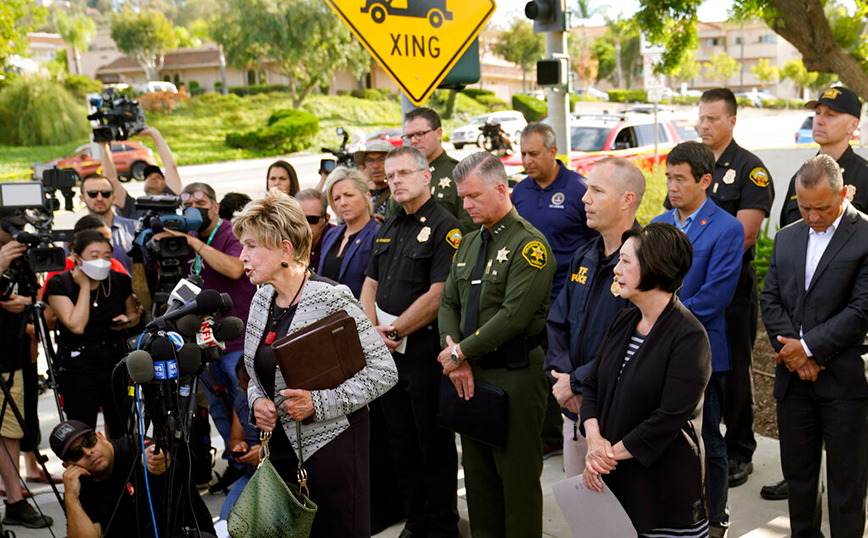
x=161 y=213
x=34 y=203
x=119 y=116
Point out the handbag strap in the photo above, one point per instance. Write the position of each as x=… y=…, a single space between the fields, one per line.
x=265 y=452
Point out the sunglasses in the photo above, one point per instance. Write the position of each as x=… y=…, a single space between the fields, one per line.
x=198 y=196
x=75 y=454
x=94 y=194
x=313 y=219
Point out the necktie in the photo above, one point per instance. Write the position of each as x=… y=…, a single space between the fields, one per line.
x=471 y=321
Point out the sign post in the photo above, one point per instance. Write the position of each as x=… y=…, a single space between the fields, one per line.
x=417 y=42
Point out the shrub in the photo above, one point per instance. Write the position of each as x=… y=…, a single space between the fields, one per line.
x=37 y=111
x=628 y=96
x=744 y=101
x=343 y=93
x=262 y=88
x=285 y=131
x=493 y=102
x=655 y=194
x=532 y=108
x=218 y=87
x=195 y=89
x=81 y=85
x=685 y=99
x=369 y=94
x=782 y=103
x=163 y=102
x=475 y=93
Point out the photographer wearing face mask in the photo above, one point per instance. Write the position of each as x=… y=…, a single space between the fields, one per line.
x=214 y=252
x=93 y=304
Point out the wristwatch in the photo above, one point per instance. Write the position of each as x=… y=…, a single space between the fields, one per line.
x=456 y=358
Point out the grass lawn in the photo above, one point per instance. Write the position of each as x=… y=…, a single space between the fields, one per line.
x=196 y=129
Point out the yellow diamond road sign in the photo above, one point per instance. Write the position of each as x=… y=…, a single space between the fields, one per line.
x=416 y=41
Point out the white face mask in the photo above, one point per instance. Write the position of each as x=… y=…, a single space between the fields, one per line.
x=96 y=269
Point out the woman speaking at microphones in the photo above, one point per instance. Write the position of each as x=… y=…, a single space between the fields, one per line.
x=93 y=305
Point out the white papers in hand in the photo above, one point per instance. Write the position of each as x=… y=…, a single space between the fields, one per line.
x=590 y=514
x=384 y=318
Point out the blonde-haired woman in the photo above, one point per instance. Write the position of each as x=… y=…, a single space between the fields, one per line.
x=347 y=248
x=276 y=241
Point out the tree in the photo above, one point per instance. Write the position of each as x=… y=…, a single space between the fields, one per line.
x=803 y=23
x=721 y=67
x=687 y=69
x=145 y=37
x=521 y=46
x=619 y=28
x=624 y=35
x=304 y=38
x=765 y=72
x=78 y=31
x=17 y=17
x=795 y=70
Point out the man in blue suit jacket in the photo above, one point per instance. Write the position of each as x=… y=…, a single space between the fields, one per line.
x=718 y=241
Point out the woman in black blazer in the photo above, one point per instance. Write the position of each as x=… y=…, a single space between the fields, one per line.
x=642 y=402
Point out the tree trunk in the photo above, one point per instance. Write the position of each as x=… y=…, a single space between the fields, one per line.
x=619 y=74
x=222 y=59
x=450 y=104
x=804 y=24
x=523 y=79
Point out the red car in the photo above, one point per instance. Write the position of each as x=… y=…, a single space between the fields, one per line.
x=392 y=135
x=130 y=157
x=594 y=136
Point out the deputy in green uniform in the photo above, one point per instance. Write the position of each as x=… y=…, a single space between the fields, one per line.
x=423 y=131
x=492 y=315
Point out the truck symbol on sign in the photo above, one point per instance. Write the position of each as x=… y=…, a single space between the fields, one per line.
x=433 y=10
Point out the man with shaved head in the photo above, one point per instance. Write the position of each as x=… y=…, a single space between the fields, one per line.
x=591 y=295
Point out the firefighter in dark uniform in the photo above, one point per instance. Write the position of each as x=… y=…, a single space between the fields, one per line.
x=836 y=117
x=422 y=131
x=409 y=263
x=492 y=316
x=742 y=186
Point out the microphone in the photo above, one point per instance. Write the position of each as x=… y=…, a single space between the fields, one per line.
x=205 y=337
x=207 y=302
x=184 y=291
x=226 y=305
x=165 y=369
x=189 y=359
x=228 y=329
x=189 y=363
x=140 y=366
x=189 y=325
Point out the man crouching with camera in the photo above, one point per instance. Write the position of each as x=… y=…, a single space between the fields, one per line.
x=105 y=491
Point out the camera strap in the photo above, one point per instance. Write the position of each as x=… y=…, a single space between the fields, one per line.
x=197 y=267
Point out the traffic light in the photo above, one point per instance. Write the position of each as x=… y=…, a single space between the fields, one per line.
x=547 y=15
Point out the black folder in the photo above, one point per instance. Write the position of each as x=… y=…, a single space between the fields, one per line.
x=482 y=418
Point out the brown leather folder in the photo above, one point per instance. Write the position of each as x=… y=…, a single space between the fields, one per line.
x=322 y=355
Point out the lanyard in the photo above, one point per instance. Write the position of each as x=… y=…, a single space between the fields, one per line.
x=197 y=267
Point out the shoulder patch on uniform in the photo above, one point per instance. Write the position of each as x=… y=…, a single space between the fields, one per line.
x=759 y=176
x=535 y=253
x=453 y=237
x=384 y=240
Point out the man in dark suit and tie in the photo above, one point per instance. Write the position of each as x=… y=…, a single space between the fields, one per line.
x=815 y=309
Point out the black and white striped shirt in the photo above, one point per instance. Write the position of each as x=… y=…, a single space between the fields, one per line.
x=635 y=341
x=697 y=530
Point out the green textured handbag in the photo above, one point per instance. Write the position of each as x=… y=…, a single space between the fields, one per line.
x=269 y=507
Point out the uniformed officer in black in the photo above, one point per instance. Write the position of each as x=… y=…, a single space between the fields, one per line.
x=401 y=294
x=422 y=130
x=836 y=117
x=742 y=186
x=492 y=314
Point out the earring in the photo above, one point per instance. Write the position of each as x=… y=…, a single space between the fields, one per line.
x=284 y=265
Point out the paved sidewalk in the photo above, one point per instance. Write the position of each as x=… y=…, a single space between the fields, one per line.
x=752 y=516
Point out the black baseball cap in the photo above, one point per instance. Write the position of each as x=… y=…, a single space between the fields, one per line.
x=839 y=99
x=152 y=169
x=64 y=434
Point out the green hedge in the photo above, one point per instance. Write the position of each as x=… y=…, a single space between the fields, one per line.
x=287 y=131
x=782 y=103
x=628 y=96
x=532 y=108
x=685 y=100
x=81 y=85
x=241 y=91
x=371 y=94
x=476 y=93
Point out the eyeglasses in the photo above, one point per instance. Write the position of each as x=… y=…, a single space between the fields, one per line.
x=371 y=160
x=94 y=194
x=402 y=174
x=186 y=197
x=418 y=134
x=313 y=219
x=75 y=454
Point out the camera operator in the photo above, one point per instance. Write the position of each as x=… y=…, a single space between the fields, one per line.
x=98 y=194
x=214 y=256
x=93 y=304
x=155 y=181
x=17 y=354
x=105 y=493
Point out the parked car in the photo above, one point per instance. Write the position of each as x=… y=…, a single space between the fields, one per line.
x=805 y=133
x=592 y=92
x=130 y=157
x=511 y=121
x=391 y=135
x=594 y=136
x=156 y=86
x=645 y=108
